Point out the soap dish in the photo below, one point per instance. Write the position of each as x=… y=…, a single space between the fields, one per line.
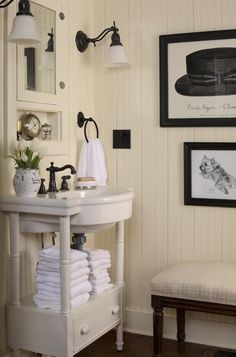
x=86 y=183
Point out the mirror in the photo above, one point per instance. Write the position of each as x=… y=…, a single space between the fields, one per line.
x=40 y=60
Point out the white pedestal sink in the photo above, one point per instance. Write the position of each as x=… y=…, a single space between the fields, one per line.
x=65 y=333
x=99 y=209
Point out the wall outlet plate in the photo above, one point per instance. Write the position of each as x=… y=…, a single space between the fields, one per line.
x=122 y=139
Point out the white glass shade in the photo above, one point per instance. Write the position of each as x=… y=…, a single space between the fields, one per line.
x=47 y=61
x=24 y=30
x=116 y=57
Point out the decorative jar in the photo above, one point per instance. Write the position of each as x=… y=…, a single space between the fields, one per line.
x=26 y=182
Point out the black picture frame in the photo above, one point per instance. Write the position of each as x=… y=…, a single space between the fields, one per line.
x=177 y=109
x=206 y=180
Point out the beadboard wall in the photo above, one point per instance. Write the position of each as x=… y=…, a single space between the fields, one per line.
x=162 y=230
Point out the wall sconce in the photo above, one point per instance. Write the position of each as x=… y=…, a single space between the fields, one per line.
x=48 y=54
x=24 y=28
x=116 y=56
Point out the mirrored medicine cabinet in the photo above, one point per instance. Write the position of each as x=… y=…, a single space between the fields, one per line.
x=38 y=65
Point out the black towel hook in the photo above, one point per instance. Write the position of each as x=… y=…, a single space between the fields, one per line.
x=80 y=122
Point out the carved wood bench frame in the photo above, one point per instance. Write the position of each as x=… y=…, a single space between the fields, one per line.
x=158 y=304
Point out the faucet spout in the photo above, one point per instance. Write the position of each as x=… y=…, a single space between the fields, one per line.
x=71 y=167
x=52 y=176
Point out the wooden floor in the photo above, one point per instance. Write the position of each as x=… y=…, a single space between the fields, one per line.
x=141 y=346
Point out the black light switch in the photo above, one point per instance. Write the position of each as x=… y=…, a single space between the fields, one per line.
x=121 y=139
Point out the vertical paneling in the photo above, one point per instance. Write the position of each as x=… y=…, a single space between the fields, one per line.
x=228 y=8
x=154 y=149
x=180 y=218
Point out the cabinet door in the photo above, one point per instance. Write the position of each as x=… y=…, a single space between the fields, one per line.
x=39 y=66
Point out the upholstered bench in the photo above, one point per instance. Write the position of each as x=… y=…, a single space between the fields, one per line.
x=205 y=286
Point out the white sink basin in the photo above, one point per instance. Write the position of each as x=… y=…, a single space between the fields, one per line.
x=99 y=209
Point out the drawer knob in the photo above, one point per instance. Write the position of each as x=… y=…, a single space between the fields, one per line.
x=115 y=310
x=85 y=329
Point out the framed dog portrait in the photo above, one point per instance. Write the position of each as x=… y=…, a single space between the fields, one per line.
x=210 y=174
x=198 y=79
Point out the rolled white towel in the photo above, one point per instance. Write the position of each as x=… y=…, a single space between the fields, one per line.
x=101 y=264
x=80 y=289
x=44 y=279
x=99 y=282
x=94 y=254
x=53 y=253
x=56 y=304
x=55 y=275
x=55 y=266
x=100 y=289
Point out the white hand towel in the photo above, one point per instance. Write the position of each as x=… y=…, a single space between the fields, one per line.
x=45 y=290
x=100 y=289
x=101 y=264
x=92 y=161
x=94 y=254
x=56 y=305
x=55 y=266
x=53 y=252
x=55 y=275
x=99 y=282
x=56 y=282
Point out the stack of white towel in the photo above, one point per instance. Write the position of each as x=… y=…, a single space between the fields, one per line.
x=99 y=263
x=48 y=279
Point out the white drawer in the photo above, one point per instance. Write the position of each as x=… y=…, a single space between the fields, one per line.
x=91 y=324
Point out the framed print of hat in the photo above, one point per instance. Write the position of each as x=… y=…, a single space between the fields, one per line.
x=198 y=79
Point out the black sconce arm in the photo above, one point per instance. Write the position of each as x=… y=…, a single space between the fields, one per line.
x=82 y=40
x=3 y=3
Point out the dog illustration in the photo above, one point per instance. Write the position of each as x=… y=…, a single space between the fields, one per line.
x=210 y=169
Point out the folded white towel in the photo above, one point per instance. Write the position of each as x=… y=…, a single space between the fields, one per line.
x=94 y=254
x=100 y=289
x=56 y=305
x=98 y=263
x=100 y=267
x=55 y=266
x=45 y=290
x=99 y=282
x=55 y=275
x=56 y=281
x=98 y=274
x=92 y=161
x=53 y=253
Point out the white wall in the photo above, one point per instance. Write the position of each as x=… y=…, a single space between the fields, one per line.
x=162 y=230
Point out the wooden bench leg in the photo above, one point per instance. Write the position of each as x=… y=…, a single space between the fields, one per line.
x=157 y=330
x=180 y=325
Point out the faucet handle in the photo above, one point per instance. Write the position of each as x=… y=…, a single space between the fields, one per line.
x=64 y=184
x=51 y=167
x=42 y=189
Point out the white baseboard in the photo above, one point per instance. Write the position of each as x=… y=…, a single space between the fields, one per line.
x=209 y=333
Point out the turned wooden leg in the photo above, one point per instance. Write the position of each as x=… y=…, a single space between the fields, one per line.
x=157 y=329
x=180 y=325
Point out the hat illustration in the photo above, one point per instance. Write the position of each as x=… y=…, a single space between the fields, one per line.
x=210 y=72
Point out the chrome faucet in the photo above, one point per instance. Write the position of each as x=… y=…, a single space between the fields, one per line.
x=52 y=178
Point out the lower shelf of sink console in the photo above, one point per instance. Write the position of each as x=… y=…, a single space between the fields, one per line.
x=63 y=335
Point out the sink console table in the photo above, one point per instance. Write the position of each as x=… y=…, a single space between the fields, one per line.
x=64 y=333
